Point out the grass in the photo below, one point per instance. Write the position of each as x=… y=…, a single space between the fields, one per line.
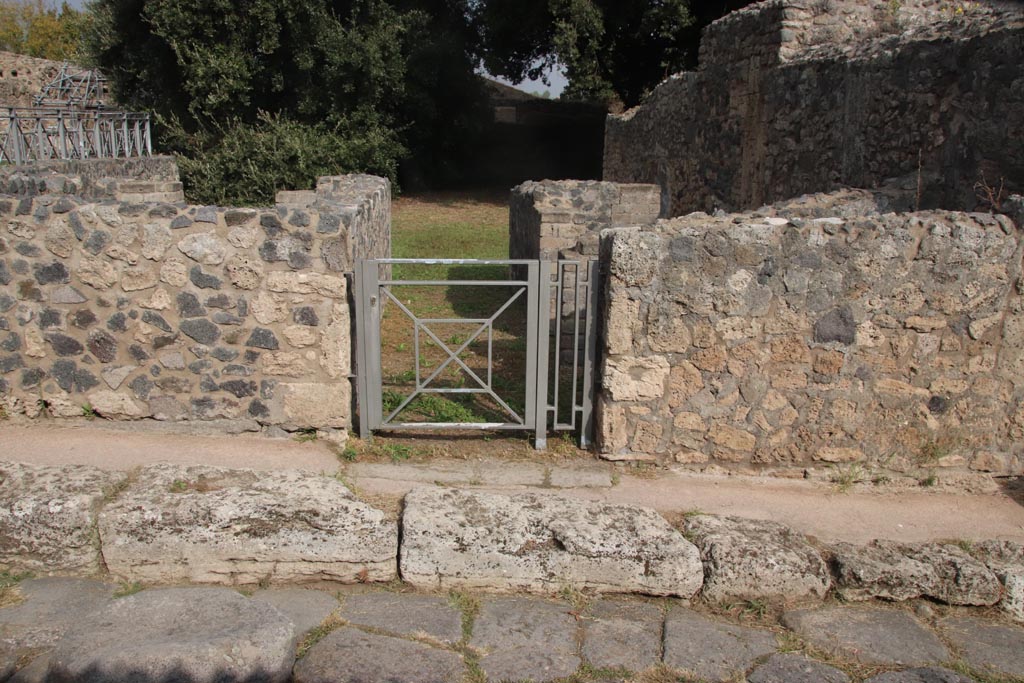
x=88 y=412
x=305 y=435
x=8 y=586
x=845 y=477
x=331 y=623
x=452 y=226
x=128 y=588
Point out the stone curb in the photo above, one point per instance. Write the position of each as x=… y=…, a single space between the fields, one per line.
x=240 y=527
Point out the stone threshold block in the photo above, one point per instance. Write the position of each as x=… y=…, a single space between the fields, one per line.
x=209 y=525
x=541 y=543
x=48 y=516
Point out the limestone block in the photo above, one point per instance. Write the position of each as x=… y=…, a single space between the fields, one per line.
x=47 y=516
x=537 y=543
x=211 y=525
x=749 y=558
x=204 y=247
x=1006 y=560
x=336 y=343
x=313 y=404
x=893 y=571
x=115 y=405
x=306 y=283
x=630 y=378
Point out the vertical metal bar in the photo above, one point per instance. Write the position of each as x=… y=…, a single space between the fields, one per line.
x=360 y=299
x=373 y=370
x=539 y=322
x=556 y=377
x=590 y=357
x=575 y=340
x=149 y=139
x=490 y=356
x=416 y=351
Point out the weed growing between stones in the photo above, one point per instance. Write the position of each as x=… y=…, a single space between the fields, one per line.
x=305 y=435
x=9 y=581
x=330 y=623
x=577 y=599
x=128 y=588
x=845 y=477
x=469 y=606
x=88 y=412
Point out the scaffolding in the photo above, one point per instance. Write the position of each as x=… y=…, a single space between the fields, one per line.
x=75 y=88
x=70 y=121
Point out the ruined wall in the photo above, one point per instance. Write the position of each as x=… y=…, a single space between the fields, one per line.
x=176 y=312
x=551 y=216
x=796 y=97
x=814 y=333
x=22 y=77
x=144 y=178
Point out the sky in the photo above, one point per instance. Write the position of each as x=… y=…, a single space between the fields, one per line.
x=557 y=79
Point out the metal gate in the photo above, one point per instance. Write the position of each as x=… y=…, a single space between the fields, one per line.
x=542 y=312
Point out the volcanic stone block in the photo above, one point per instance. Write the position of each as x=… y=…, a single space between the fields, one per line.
x=192 y=634
x=538 y=543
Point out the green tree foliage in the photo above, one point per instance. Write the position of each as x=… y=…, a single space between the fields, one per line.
x=349 y=84
x=611 y=50
x=39 y=29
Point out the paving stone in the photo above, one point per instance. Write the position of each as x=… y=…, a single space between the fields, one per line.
x=621 y=634
x=243 y=527
x=50 y=606
x=196 y=634
x=351 y=655
x=36 y=671
x=405 y=615
x=870 y=635
x=793 y=668
x=306 y=608
x=921 y=675
x=987 y=645
x=751 y=558
x=525 y=639
x=539 y=542
x=712 y=650
x=47 y=515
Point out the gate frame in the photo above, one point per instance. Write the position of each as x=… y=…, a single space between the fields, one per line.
x=539 y=287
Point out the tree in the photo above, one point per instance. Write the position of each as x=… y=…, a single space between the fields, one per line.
x=38 y=29
x=611 y=50
x=358 y=71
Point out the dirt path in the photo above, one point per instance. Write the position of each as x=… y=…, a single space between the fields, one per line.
x=815 y=508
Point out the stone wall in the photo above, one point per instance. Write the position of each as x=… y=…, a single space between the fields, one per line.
x=144 y=179
x=551 y=216
x=819 y=333
x=22 y=77
x=176 y=312
x=795 y=97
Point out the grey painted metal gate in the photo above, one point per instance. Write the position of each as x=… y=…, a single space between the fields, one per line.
x=543 y=312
